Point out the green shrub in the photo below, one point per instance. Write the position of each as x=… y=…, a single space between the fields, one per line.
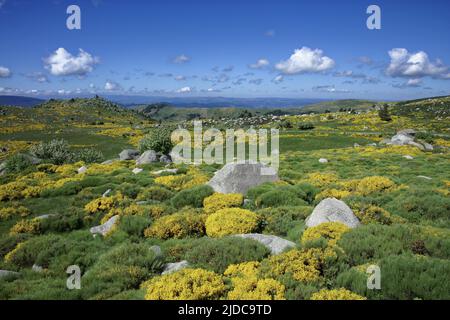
x=158 y=140
x=403 y=277
x=88 y=155
x=18 y=163
x=192 y=197
x=9 y=242
x=296 y=195
x=129 y=190
x=134 y=226
x=155 y=193
x=55 y=151
x=305 y=126
x=122 y=268
x=281 y=220
x=218 y=254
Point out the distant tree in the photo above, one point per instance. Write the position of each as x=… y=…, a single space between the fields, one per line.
x=384 y=114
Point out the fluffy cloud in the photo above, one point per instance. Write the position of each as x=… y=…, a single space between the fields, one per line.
x=305 y=60
x=278 y=79
x=63 y=63
x=112 y=86
x=261 y=63
x=181 y=59
x=329 y=89
x=184 y=90
x=415 y=65
x=411 y=83
x=37 y=76
x=4 y=72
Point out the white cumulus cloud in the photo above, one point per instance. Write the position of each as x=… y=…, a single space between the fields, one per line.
x=414 y=65
x=261 y=63
x=305 y=60
x=4 y=72
x=184 y=90
x=112 y=86
x=181 y=59
x=63 y=63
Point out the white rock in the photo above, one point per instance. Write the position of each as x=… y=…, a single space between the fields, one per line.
x=103 y=229
x=129 y=154
x=425 y=177
x=81 y=170
x=173 y=267
x=137 y=170
x=147 y=157
x=238 y=177
x=106 y=193
x=323 y=160
x=332 y=210
x=164 y=171
x=37 y=268
x=276 y=244
x=408 y=157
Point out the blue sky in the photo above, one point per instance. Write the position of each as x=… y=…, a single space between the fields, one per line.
x=302 y=49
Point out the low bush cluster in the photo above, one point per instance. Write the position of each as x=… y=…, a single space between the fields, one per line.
x=220 y=201
x=231 y=221
x=177 y=225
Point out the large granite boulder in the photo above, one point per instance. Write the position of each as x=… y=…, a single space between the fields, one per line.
x=103 y=229
x=275 y=244
x=401 y=139
x=332 y=210
x=174 y=267
x=129 y=154
x=240 y=176
x=147 y=157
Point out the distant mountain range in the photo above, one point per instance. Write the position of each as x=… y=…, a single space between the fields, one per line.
x=20 y=101
x=184 y=102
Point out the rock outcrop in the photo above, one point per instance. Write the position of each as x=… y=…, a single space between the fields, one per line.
x=275 y=244
x=332 y=210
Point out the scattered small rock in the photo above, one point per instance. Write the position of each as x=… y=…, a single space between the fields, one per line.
x=37 y=268
x=82 y=170
x=156 y=250
x=106 y=193
x=425 y=177
x=356 y=145
x=165 y=170
x=109 y=161
x=332 y=210
x=323 y=160
x=147 y=157
x=137 y=170
x=276 y=244
x=408 y=157
x=165 y=159
x=103 y=229
x=173 y=267
x=129 y=154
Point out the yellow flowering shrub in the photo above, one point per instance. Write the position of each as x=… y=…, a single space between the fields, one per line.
x=183 y=181
x=320 y=179
x=12 y=190
x=304 y=265
x=104 y=203
x=231 y=221
x=373 y=184
x=186 y=284
x=32 y=192
x=332 y=193
x=20 y=211
x=247 y=285
x=330 y=231
x=26 y=226
x=178 y=225
x=336 y=294
x=219 y=201
x=374 y=214
x=9 y=257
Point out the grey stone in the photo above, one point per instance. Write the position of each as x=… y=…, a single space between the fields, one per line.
x=240 y=176
x=109 y=161
x=408 y=157
x=82 y=170
x=137 y=170
x=425 y=177
x=44 y=216
x=173 y=267
x=276 y=244
x=372 y=144
x=323 y=160
x=7 y=273
x=401 y=139
x=409 y=132
x=164 y=171
x=129 y=154
x=147 y=157
x=332 y=210
x=427 y=146
x=416 y=144
x=165 y=159
x=106 y=193
x=103 y=229
x=385 y=141
x=37 y=268
x=156 y=249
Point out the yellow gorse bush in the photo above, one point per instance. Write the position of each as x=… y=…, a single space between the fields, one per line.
x=187 y=284
x=336 y=294
x=333 y=193
x=373 y=184
x=26 y=226
x=183 y=181
x=104 y=203
x=248 y=286
x=321 y=179
x=219 y=201
x=231 y=221
x=178 y=225
x=304 y=265
x=19 y=211
x=330 y=231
